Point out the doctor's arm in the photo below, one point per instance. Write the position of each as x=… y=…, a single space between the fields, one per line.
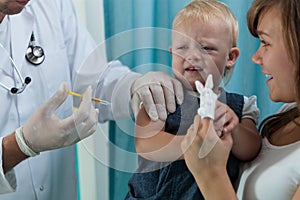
x=11 y=153
x=126 y=90
x=116 y=83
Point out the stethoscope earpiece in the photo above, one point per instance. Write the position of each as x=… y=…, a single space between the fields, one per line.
x=34 y=54
x=19 y=90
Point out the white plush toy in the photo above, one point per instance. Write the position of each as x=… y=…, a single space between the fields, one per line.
x=207 y=98
x=207 y=110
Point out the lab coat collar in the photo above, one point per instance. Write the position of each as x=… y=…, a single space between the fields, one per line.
x=21 y=29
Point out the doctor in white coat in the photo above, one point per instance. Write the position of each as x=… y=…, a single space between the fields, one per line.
x=40 y=117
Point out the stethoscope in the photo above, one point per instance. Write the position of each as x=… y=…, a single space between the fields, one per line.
x=34 y=55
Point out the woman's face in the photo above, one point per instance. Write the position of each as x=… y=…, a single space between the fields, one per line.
x=273 y=58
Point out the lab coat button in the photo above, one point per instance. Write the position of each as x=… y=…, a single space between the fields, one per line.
x=41 y=188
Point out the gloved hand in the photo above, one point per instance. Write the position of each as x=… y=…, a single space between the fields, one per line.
x=45 y=130
x=157 y=91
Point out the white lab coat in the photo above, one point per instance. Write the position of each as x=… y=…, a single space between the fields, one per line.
x=52 y=175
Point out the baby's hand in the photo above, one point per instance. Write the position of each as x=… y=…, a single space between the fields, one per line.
x=207 y=98
x=225 y=118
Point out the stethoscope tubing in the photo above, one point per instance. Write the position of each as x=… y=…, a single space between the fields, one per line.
x=31 y=58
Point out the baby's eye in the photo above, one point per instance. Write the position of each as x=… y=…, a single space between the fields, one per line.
x=211 y=48
x=205 y=49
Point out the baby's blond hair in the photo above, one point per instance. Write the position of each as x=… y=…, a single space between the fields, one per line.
x=204 y=10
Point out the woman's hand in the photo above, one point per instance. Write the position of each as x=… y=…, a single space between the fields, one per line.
x=206 y=156
x=204 y=151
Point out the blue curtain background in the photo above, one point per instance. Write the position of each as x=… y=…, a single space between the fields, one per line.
x=123 y=16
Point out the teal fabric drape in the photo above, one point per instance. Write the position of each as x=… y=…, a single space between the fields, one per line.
x=138 y=34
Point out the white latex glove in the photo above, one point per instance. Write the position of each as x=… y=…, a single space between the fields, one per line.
x=158 y=92
x=45 y=130
x=207 y=98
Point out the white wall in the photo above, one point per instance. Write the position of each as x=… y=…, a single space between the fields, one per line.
x=93 y=175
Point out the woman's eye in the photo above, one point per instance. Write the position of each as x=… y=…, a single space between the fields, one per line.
x=264 y=43
x=183 y=47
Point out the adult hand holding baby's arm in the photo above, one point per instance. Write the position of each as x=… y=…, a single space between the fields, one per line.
x=159 y=94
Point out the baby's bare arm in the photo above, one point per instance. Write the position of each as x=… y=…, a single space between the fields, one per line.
x=153 y=143
x=246 y=140
x=163 y=147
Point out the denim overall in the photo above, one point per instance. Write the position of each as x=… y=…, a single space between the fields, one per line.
x=173 y=180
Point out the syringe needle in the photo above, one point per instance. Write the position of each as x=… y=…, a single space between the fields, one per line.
x=104 y=102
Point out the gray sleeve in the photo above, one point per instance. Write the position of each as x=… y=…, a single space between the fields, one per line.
x=250 y=109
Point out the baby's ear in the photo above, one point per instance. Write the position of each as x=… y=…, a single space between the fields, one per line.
x=199 y=86
x=209 y=82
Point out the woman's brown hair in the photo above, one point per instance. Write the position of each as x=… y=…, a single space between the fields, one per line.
x=290 y=21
